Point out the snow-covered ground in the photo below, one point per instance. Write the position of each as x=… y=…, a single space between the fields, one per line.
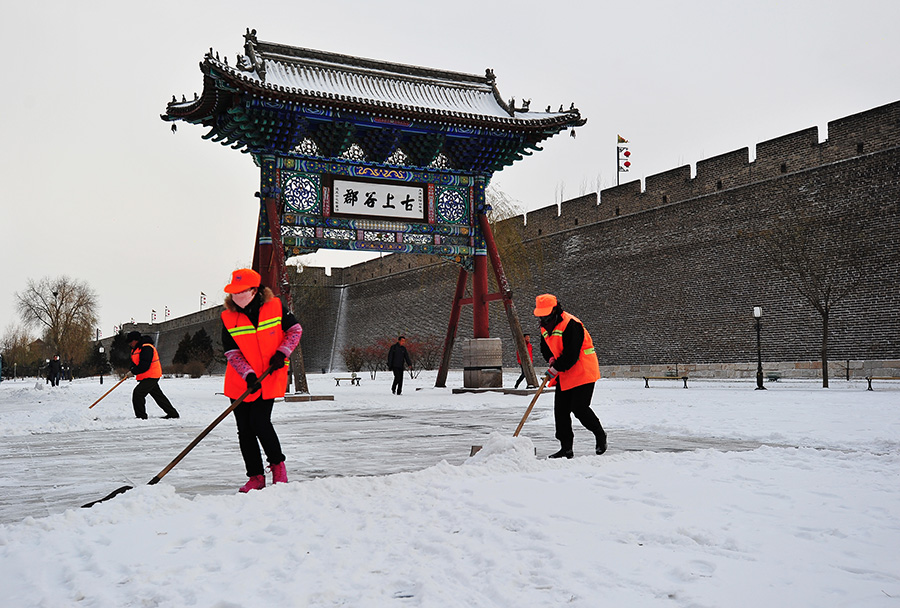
x=784 y=497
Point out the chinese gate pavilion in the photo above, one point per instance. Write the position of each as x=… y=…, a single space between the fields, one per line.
x=367 y=155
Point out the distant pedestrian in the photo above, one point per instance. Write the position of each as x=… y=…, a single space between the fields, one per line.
x=519 y=360
x=258 y=334
x=397 y=361
x=54 y=371
x=147 y=370
x=569 y=350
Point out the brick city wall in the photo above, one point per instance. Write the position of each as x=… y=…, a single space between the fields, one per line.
x=669 y=274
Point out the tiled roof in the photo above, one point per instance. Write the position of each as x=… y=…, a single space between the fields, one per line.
x=279 y=99
x=372 y=85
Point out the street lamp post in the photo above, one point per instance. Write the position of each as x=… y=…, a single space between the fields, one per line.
x=757 y=313
x=100 y=357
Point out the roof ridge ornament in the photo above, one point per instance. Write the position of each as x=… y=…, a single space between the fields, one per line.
x=251 y=62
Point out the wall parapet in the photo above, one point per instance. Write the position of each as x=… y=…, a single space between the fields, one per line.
x=863 y=133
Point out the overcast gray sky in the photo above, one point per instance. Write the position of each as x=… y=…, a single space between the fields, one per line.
x=95 y=186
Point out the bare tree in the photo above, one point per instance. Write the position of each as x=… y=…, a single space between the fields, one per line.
x=65 y=310
x=518 y=258
x=15 y=346
x=825 y=256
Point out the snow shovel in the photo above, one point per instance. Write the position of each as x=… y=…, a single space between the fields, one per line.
x=127 y=376
x=185 y=451
x=477 y=448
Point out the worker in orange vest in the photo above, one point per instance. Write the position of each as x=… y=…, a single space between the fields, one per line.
x=147 y=370
x=258 y=334
x=574 y=368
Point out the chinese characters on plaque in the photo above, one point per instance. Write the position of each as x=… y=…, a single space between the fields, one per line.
x=379 y=200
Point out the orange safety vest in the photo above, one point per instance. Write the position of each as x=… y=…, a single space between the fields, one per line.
x=155 y=370
x=586 y=369
x=257 y=344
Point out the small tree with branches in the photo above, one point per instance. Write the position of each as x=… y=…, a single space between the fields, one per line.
x=120 y=354
x=825 y=256
x=425 y=353
x=353 y=357
x=517 y=256
x=17 y=355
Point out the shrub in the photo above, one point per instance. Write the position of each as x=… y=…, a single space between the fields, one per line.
x=194 y=368
x=353 y=358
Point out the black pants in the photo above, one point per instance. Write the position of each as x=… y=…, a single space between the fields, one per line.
x=254 y=427
x=576 y=400
x=521 y=377
x=397 y=386
x=150 y=386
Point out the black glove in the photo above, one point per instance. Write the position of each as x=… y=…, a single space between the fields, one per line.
x=133 y=370
x=277 y=360
x=253 y=382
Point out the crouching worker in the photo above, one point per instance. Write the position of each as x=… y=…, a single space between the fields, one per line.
x=258 y=334
x=569 y=350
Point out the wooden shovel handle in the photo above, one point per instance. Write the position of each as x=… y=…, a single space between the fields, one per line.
x=127 y=376
x=206 y=431
x=530 y=407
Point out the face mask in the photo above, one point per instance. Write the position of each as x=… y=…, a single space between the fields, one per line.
x=243 y=298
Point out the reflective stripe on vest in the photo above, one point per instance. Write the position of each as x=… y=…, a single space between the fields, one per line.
x=155 y=370
x=587 y=368
x=257 y=344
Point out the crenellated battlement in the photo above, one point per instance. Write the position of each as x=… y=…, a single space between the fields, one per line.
x=722 y=172
x=849 y=137
x=787 y=154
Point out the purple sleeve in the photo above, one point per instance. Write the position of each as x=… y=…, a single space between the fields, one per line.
x=237 y=361
x=291 y=339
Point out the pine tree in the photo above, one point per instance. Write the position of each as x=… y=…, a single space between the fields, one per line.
x=98 y=363
x=183 y=352
x=202 y=348
x=120 y=353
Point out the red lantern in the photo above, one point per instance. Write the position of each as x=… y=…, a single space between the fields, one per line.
x=627 y=164
x=627 y=153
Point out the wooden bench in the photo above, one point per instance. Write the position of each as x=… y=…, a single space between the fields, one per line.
x=648 y=378
x=870 y=378
x=354 y=380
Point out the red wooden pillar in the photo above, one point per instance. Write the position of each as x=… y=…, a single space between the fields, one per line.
x=481 y=327
x=268 y=254
x=461 y=281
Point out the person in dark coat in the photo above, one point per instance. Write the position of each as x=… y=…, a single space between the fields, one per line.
x=147 y=369
x=397 y=361
x=54 y=371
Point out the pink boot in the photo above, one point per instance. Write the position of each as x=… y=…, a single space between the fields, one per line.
x=257 y=482
x=279 y=473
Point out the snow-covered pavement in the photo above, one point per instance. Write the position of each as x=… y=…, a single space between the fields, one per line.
x=718 y=495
